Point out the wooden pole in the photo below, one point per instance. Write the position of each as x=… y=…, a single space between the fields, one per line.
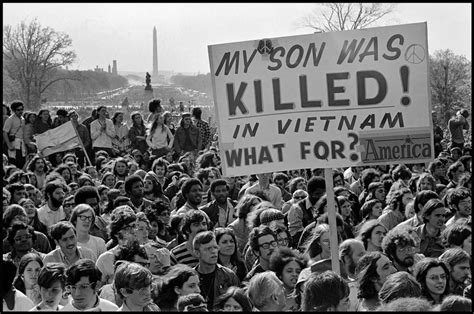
x=82 y=144
x=332 y=221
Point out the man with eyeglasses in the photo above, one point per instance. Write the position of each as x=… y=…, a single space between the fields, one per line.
x=82 y=279
x=13 y=135
x=64 y=235
x=263 y=242
x=400 y=248
x=214 y=278
x=90 y=195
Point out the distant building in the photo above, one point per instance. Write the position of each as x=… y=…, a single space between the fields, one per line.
x=109 y=70
x=114 y=67
x=97 y=69
x=155 y=55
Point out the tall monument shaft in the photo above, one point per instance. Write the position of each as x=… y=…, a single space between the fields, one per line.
x=155 y=56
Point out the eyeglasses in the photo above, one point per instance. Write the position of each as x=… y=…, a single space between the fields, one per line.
x=299 y=197
x=407 y=249
x=283 y=241
x=82 y=287
x=68 y=204
x=85 y=218
x=23 y=237
x=268 y=244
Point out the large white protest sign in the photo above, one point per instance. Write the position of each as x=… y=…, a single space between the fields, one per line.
x=323 y=100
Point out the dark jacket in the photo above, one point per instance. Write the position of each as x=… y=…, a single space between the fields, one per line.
x=180 y=139
x=224 y=279
x=212 y=210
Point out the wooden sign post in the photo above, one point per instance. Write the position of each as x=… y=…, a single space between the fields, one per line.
x=331 y=207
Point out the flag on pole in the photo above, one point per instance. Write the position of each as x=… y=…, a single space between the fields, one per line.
x=59 y=139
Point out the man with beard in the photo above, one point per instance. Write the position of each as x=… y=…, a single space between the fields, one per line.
x=459 y=264
x=221 y=209
x=460 y=203
x=350 y=251
x=399 y=246
x=135 y=189
x=52 y=212
x=64 y=235
x=214 y=278
x=430 y=232
x=194 y=221
x=263 y=242
x=39 y=167
x=396 y=208
x=191 y=191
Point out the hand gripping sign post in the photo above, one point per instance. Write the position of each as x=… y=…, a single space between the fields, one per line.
x=325 y=100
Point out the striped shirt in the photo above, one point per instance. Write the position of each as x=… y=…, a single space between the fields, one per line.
x=181 y=255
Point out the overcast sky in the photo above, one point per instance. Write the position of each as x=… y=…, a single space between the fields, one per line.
x=123 y=31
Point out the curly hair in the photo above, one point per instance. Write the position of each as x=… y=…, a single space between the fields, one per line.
x=282 y=256
x=394 y=237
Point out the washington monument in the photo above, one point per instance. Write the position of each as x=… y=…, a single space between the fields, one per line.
x=155 y=56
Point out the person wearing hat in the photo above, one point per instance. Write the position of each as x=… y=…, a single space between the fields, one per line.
x=456 y=125
x=187 y=137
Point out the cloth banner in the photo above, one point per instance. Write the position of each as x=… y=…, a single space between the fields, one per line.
x=59 y=139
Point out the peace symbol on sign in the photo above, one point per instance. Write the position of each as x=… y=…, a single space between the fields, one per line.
x=415 y=54
x=265 y=46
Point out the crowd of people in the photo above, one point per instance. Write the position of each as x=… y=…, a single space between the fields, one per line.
x=140 y=218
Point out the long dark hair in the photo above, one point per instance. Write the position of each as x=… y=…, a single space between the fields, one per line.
x=176 y=277
x=421 y=270
x=18 y=282
x=234 y=258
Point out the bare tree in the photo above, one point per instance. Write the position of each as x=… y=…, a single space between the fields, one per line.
x=450 y=80
x=336 y=16
x=32 y=54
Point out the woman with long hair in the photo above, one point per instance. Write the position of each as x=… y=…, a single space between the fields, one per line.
x=433 y=275
x=318 y=247
x=180 y=280
x=137 y=133
x=43 y=123
x=121 y=142
x=159 y=138
x=32 y=213
x=26 y=280
x=229 y=255
x=234 y=300
x=246 y=204
x=287 y=265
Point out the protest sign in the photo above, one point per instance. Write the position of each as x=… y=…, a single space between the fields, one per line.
x=323 y=100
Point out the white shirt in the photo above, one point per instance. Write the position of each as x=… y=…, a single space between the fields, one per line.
x=49 y=217
x=22 y=303
x=96 y=244
x=100 y=306
x=101 y=138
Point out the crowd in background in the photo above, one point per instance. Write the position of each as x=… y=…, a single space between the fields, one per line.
x=139 y=218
